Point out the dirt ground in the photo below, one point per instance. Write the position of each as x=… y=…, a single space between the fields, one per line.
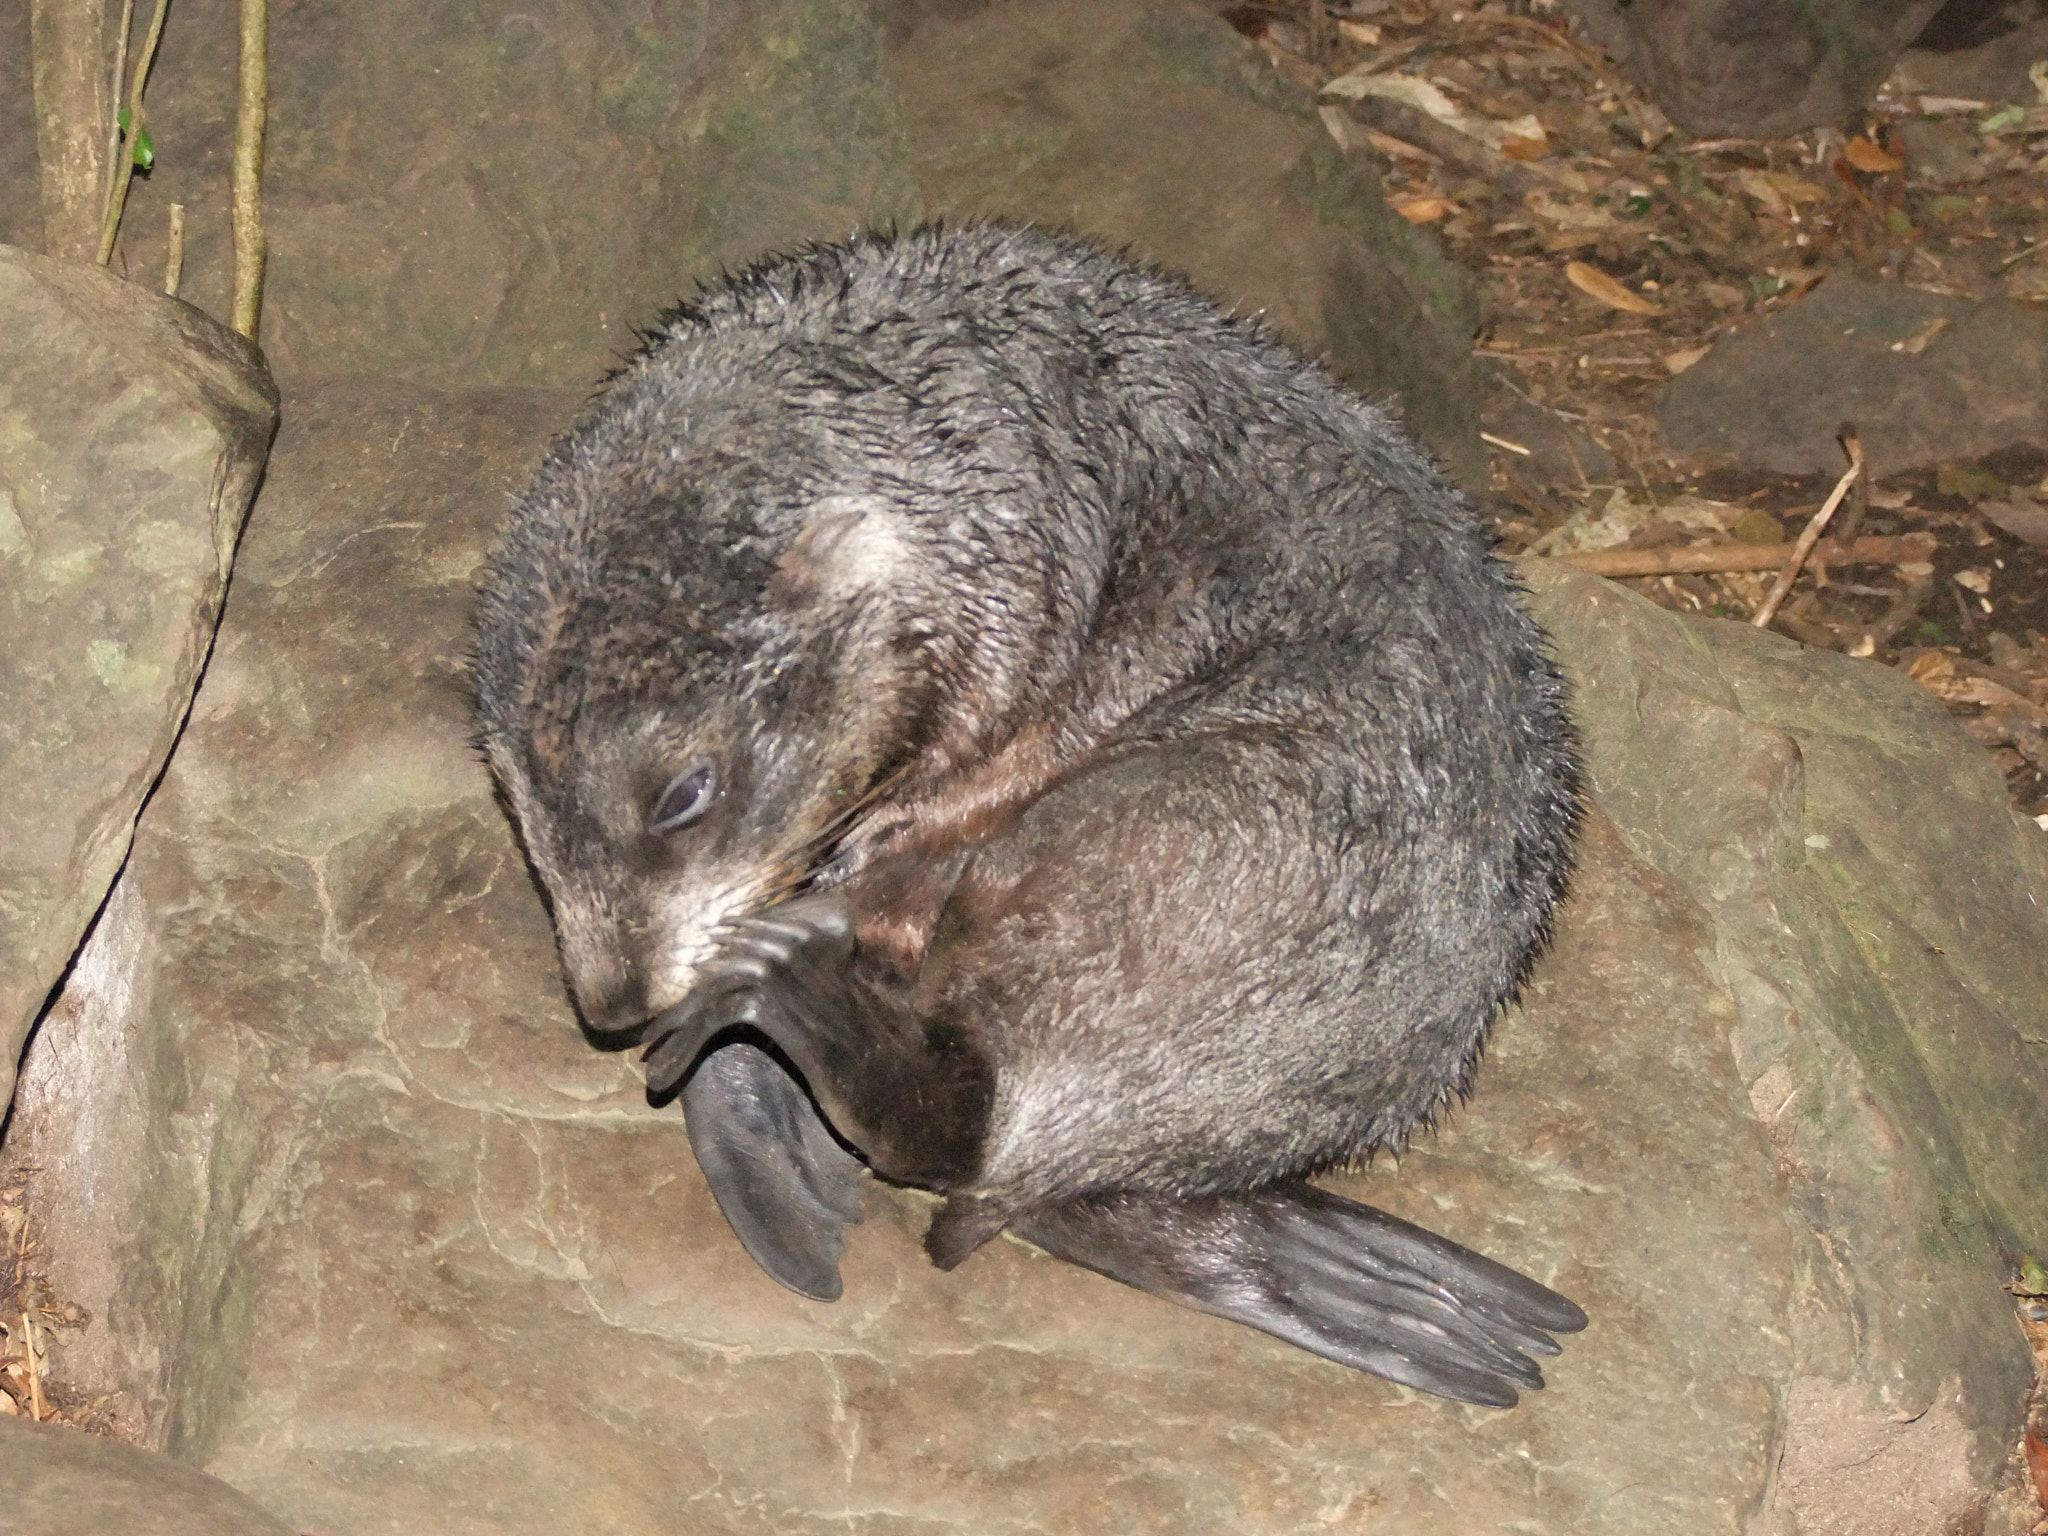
x=1612 y=251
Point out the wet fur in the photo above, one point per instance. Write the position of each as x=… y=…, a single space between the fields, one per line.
x=1194 y=785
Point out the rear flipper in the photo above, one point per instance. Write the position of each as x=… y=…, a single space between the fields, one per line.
x=786 y=1187
x=1339 y=1279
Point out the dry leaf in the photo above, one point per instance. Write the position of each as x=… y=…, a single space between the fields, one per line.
x=1981 y=690
x=1348 y=133
x=1779 y=192
x=1568 y=213
x=1610 y=519
x=1677 y=362
x=1597 y=284
x=1939 y=674
x=1866 y=156
x=1423 y=210
x=1976 y=580
x=1526 y=129
x=1931 y=664
x=1406 y=89
x=1517 y=148
x=2037 y=1462
x=1363 y=33
x=1700 y=514
x=1413 y=91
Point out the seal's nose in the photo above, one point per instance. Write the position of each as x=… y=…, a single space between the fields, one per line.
x=618 y=1011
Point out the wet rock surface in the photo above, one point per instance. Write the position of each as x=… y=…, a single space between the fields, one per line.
x=393 y=1248
x=59 y=1482
x=1926 y=378
x=132 y=434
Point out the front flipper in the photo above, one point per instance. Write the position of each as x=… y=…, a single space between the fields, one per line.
x=1339 y=1279
x=787 y=1189
x=912 y=1097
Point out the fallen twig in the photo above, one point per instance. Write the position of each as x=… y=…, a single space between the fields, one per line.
x=35 y=1377
x=1811 y=535
x=2019 y=256
x=1696 y=559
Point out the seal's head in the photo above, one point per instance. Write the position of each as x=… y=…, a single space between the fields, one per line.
x=689 y=667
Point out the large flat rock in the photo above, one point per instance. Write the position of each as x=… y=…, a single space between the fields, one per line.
x=390 y=1247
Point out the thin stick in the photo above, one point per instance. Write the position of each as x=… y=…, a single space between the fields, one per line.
x=174 y=262
x=251 y=110
x=110 y=226
x=114 y=122
x=1811 y=536
x=1697 y=559
x=2033 y=250
x=35 y=1378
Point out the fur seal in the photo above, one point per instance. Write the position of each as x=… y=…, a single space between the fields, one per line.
x=981 y=713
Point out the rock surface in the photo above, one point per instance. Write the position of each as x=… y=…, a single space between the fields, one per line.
x=498 y=194
x=58 y=1482
x=132 y=434
x=1925 y=377
x=1157 y=126
x=416 y=231
x=1756 y=68
x=382 y=1241
x=1979 y=52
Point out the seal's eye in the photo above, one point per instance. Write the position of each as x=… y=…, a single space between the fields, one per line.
x=688 y=796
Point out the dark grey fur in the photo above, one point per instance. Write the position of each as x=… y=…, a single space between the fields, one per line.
x=1134 y=784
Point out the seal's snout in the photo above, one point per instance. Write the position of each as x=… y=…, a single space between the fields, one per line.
x=619 y=1011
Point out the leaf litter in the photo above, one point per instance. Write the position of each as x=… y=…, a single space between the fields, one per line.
x=1612 y=252
x=34 y=1322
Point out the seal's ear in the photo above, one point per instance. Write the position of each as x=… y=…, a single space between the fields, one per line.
x=848 y=545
